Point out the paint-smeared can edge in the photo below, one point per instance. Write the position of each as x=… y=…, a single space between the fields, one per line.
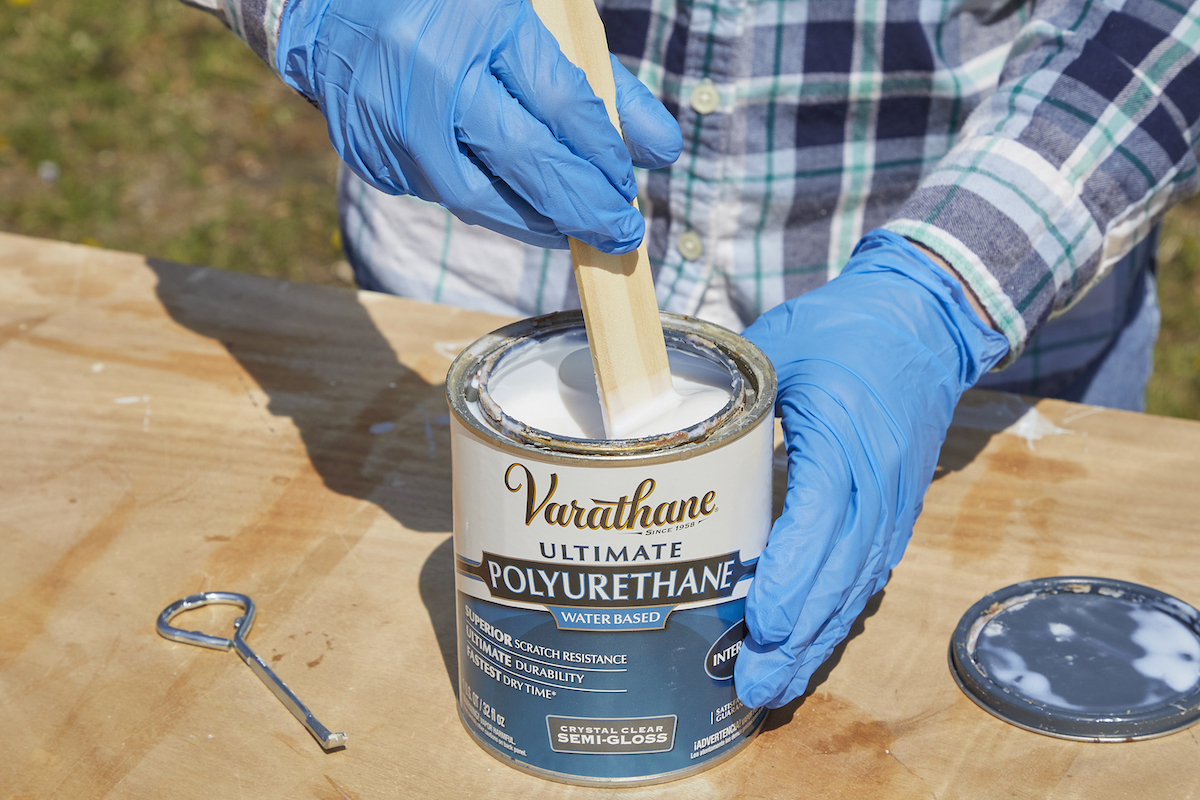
x=756 y=372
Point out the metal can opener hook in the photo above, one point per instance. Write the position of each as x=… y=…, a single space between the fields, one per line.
x=327 y=740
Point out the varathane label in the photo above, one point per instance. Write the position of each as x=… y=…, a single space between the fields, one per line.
x=600 y=608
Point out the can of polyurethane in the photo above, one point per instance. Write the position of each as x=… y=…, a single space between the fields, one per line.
x=601 y=583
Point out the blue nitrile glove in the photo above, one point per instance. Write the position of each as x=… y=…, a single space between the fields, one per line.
x=870 y=368
x=471 y=104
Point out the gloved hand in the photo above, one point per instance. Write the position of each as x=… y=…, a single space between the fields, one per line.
x=870 y=368
x=471 y=104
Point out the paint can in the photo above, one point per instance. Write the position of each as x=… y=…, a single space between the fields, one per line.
x=601 y=585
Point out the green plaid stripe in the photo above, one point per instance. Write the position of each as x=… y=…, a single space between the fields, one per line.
x=1071 y=166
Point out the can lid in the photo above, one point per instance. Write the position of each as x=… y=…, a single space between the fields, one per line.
x=1090 y=659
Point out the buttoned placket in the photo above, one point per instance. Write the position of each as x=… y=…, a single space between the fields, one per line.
x=696 y=197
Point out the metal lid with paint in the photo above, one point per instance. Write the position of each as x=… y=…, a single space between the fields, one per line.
x=1090 y=659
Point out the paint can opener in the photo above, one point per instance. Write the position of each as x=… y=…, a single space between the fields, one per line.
x=327 y=740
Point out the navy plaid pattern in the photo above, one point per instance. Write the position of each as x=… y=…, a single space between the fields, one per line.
x=1031 y=145
x=1032 y=148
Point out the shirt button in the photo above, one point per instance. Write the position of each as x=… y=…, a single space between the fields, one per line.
x=705 y=97
x=690 y=245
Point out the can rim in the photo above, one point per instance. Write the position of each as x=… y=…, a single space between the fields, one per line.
x=1162 y=718
x=530 y=434
x=752 y=401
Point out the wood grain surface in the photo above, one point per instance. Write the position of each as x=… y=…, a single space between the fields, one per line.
x=167 y=429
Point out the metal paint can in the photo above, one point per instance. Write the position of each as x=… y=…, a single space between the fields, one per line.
x=600 y=585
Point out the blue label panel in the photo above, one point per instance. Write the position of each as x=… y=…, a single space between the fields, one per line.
x=624 y=698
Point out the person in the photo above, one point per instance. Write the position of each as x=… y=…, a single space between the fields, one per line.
x=891 y=197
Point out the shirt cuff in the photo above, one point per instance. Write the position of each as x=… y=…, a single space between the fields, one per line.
x=256 y=22
x=1013 y=228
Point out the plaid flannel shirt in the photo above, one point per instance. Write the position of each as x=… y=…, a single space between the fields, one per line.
x=1032 y=145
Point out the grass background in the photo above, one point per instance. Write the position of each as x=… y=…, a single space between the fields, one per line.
x=144 y=125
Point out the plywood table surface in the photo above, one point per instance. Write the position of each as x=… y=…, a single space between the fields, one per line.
x=168 y=429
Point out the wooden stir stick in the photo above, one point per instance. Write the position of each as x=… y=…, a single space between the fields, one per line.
x=616 y=292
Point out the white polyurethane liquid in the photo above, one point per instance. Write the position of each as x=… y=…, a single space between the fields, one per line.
x=551 y=386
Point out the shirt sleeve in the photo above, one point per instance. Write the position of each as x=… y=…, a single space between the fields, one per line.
x=256 y=22
x=1091 y=135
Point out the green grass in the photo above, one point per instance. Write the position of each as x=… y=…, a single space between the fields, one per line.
x=168 y=135
x=1175 y=385
x=170 y=138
